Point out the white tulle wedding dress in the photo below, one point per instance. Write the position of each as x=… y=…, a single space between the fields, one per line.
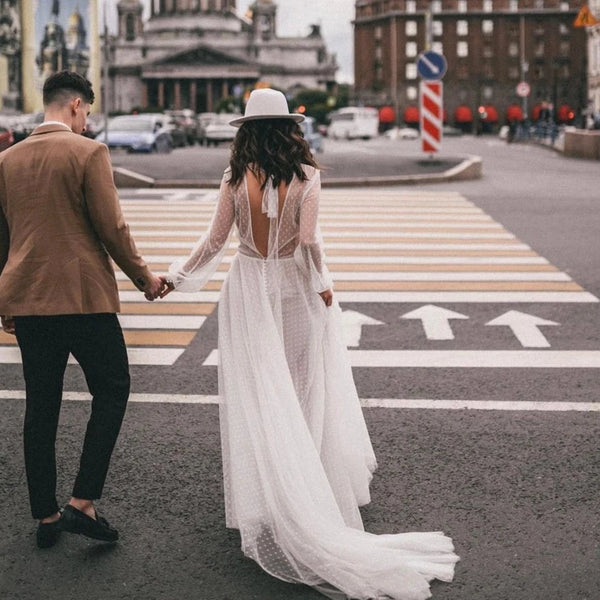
x=297 y=458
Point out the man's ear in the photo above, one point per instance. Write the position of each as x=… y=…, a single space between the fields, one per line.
x=76 y=103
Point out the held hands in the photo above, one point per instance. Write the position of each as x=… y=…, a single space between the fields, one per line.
x=8 y=324
x=327 y=297
x=157 y=287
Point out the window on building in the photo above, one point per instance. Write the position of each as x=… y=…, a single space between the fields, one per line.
x=488 y=6
x=462 y=49
x=563 y=28
x=539 y=71
x=488 y=92
x=564 y=6
x=438 y=28
x=539 y=28
x=411 y=92
x=462 y=27
x=436 y=6
x=378 y=32
x=539 y=48
x=514 y=73
x=539 y=3
x=462 y=70
x=462 y=6
x=565 y=48
x=130 y=27
x=565 y=72
x=513 y=49
x=411 y=28
x=513 y=5
x=487 y=26
x=438 y=47
x=411 y=49
x=488 y=51
x=378 y=52
x=411 y=6
x=411 y=70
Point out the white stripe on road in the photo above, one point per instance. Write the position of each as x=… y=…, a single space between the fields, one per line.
x=334 y=224
x=401 y=259
x=379 y=297
x=161 y=321
x=137 y=356
x=453 y=359
x=396 y=403
x=425 y=276
x=371 y=235
x=372 y=246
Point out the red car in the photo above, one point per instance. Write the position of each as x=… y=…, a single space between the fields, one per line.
x=6 y=138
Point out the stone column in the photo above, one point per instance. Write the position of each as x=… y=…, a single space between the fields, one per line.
x=177 y=94
x=144 y=99
x=193 y=94
x=209 y=95
x=161 y=94
x=224 y=88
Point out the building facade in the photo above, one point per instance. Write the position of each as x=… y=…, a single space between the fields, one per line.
x=594 y=63
x=194 y=53
x=490 y=46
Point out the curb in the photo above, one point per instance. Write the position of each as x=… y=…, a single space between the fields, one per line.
x=470 y=168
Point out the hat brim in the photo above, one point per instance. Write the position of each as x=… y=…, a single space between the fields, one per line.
x=241 y=120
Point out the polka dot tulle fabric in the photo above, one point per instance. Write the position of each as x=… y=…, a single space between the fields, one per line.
x=297 y=458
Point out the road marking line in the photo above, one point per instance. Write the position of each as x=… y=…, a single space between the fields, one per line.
x=340 y=276
x=394 y=403
x=457 y=359
x=137 y=356
x=161 y=321
x=385 y=297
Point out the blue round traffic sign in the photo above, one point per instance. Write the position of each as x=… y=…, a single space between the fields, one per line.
x=431 y=65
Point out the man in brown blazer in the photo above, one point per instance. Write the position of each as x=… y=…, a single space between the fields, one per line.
x=60 y=223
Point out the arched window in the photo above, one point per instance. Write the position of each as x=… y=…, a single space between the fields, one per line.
x=130 y=27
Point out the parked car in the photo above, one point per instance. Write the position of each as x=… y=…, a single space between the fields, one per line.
x=402 y=133
x=354 y=122
x=219 y=129
x=177 y=131
x=94 y=125
x=6 y=138
x=188 y=121
x=204 y=120
x=26 y=124
x=312 y=134
x=138 y=133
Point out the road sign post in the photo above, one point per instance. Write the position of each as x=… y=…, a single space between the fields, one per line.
x=431 y=115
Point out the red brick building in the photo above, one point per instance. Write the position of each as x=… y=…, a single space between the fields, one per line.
x=490 y=46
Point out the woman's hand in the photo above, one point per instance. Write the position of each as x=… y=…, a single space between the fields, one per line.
x=8 y=324
x=327 y=296
x=168 y=286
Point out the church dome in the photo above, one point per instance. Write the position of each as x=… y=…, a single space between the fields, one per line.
x=75 y=20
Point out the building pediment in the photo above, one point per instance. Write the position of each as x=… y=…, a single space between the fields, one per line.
x=201 y=55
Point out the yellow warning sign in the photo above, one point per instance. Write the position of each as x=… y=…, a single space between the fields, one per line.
x=585 y=18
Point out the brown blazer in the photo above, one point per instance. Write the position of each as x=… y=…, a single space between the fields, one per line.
x=60 y=220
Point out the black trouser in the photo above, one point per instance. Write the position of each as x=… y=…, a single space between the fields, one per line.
x=96 y=341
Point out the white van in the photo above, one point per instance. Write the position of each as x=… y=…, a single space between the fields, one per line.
x=354 y=122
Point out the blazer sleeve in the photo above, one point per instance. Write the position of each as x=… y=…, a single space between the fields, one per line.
x=103 y=206
x=4 y=233
x=4 y=240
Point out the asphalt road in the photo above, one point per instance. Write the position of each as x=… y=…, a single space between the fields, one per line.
x=517 y=490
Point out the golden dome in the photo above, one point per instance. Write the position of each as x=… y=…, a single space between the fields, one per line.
x=75 y=20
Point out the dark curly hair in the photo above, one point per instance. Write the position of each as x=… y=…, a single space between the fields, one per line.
x=270 y=148
x=64 y=85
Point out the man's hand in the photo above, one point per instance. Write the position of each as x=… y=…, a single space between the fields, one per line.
x=8 y=324
x=154 y=287
x=327 y=297
x=168 y=286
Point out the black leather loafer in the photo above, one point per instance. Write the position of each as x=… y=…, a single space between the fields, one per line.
x=75 y=521
x=47 y=534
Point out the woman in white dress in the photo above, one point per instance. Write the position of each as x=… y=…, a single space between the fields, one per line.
x=297 y=458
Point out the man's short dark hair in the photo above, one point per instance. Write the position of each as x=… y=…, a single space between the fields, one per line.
x=66 y=84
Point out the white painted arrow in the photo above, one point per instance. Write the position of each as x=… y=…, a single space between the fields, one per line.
x=432 y=66
x=525 y=328
x=353 y=322
x=436 y=321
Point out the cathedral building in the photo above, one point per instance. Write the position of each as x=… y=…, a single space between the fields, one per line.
x=194 y=53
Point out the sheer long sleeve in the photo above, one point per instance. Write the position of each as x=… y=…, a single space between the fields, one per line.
x=192 y=273
x=309 y=254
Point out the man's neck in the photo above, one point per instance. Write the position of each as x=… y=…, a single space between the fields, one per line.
x=57 y=117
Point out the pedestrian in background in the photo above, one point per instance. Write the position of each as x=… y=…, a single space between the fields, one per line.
x=297 y=458
x=60 y=223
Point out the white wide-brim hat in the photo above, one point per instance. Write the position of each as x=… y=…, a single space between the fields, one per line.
x=266 y=104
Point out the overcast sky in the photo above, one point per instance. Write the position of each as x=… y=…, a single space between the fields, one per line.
x=294 y=18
